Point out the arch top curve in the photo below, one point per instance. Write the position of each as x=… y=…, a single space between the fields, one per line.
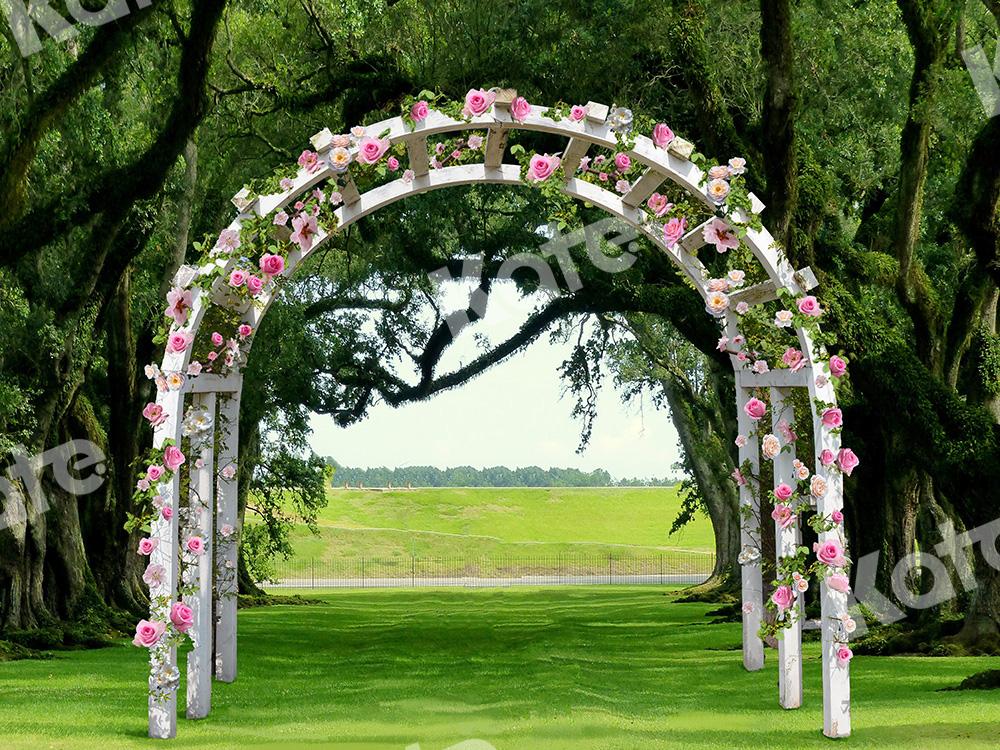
x=242 y=276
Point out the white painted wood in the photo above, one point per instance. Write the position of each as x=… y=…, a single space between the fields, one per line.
x=786 y=542
x=836 y=678
x=202 y=503
x=416 y=152
x=349 y=191
x=752 y=582
x=226 y=557
x=694 y=240
x=496 y=145
x=163 y=712
x=643 y=188
x=576 y=149
x=210 y=382
x=783 y=378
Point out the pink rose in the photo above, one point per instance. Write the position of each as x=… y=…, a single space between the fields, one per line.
x=477 y=102
x=847 y=460
x=662 y=135
x=167 y=512
x=217 y=338
x=237 y=278
x=577 y=112
x=147 y=545
x=153 y=575
x=370 y=150
x=154 y=472
x=520 y=109
x=832 y=417
x=837 y=366
x=837 y=517
x=783 y=492
x=540 y=168
x=783 y=598
x=178 y=342
x=172 y=457
x=809 y=305
x=419 y=111
x=154 y=413
x=673 y=230
x=622 y=161
x=182 y=616
x=783 y=515
x=658 y=204
x=830 y=553
x=309 y=160
x=195 y=545
x=244 y=330
x=827 y=457
x=839 y=582
x=844 y=656
x=148 y=633
x=254 y=285
x=755 y=408
x=793 y=358
x=393 y=163
x=272 y=265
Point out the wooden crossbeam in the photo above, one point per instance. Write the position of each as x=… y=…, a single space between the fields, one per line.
x=758 y=294
x=416 y=152
x=576 y=149
x=496 y=145
x=349 y=192
x=643 y=188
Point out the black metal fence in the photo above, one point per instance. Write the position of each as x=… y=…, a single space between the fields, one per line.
x=668 y=567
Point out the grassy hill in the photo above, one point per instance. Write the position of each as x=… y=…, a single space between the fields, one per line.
x=453 y=522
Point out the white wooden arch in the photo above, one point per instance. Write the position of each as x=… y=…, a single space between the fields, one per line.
x=216 y=488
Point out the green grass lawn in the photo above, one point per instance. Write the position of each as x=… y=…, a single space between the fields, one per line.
x=541 y=522
x=600 y=668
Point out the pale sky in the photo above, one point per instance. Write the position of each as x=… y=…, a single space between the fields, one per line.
x=512 y=415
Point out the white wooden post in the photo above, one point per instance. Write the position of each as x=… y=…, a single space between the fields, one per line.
x=226 y=588
x=833 y=604
x=163 y=661
x=202 y=508
x=786 y=541
x=753 y=589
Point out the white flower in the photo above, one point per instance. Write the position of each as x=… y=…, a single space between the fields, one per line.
x=736 y=277
x=747 y=607
x=848 y=623
x=821 y=381
x=760 y=367
x=175 y=380
x=817 y=487
x=340 y=159
x=716 y=303
x=227 y=530
x=152 y=372
x=742 y=307
x=620 y=119
x=783 y=319
x=740 y=441
x=770 y=446
x=748 y=555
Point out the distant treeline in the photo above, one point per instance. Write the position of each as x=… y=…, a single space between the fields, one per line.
x=493 y=476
